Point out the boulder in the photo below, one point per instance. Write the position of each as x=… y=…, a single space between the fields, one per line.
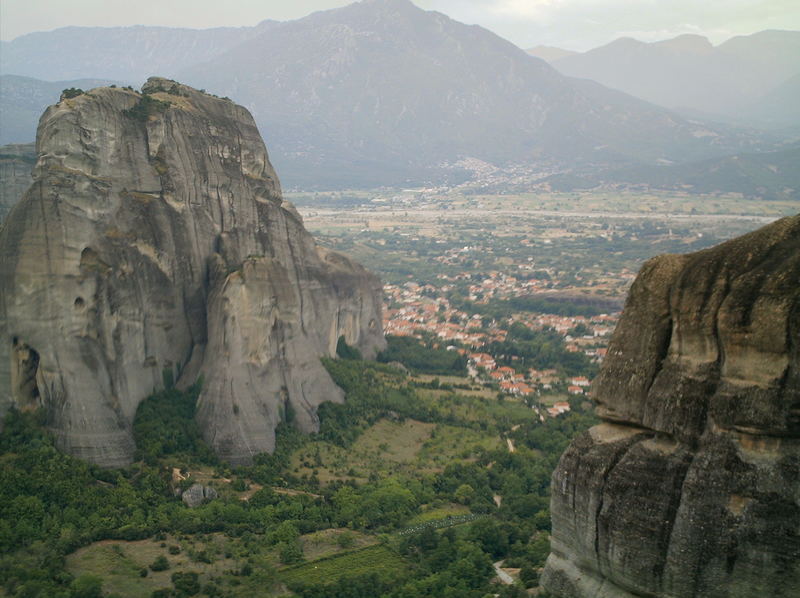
x=196 y=494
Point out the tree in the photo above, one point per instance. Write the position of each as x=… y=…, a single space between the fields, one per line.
x=186 y=584
x=290 y=552
x=285 y=533
x=464 y=494
x=346 y=540
x=87 y=586
x=71 y=92
x=529 y=576
x=160 y=564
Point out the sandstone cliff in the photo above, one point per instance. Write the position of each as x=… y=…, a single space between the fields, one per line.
x=16 y=161
x=691 y=486
x=154 y=245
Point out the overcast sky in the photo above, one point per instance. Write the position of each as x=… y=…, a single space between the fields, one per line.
x=572 y=24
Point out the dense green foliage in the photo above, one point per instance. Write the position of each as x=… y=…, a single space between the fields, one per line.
x=423 y=358
x=370 y=396
x=146 y=107
x=165 y=425
x=71 y=92
x=559 y=306
x=539 y=349
x=173 y=89
x=51 y=503
x=345 y=351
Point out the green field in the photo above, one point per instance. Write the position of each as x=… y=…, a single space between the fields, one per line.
x=391 y=447
x=119 y=564
x=436 y=513
x=375 y=559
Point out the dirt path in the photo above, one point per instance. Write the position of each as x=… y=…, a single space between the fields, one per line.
x=502 y=575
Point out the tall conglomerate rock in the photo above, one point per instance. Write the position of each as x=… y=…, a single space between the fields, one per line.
x=153 y=245
x=691 y=485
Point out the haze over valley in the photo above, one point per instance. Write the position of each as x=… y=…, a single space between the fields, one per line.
x=384 y=93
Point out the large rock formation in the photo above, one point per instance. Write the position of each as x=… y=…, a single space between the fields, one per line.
x=691 y=486
x=154 y=245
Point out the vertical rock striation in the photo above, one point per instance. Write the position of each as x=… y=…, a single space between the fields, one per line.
x=154 y=245
x=691 y=486
x=16 y=161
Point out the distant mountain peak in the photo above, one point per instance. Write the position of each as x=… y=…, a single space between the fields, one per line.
x=625 y=41
x=549 y=53
x=388 y=2
x=388 y=5
x=688 y=42
x=689 y=74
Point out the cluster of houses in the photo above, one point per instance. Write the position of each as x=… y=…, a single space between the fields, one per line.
x=423 y=310
x=413 y=309
x=514 y=383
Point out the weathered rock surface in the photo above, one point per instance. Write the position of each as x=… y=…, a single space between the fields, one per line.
x=16 y=162
x=196 y=494
x=691 y=486
x=154 y=244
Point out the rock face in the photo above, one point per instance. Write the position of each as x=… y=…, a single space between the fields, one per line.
x=154 y=245
x=691 y=486
x=16 y=161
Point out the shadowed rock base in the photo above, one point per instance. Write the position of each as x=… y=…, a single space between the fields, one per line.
x=691 y=487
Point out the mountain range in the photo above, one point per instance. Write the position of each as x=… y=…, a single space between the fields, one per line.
x=767 y=175
x=23 y=99
x=746 y=79
x=381 y=92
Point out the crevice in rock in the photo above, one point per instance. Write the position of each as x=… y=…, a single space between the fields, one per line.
x=617 y=457
x=793 y=419
x=671 y=516
x=25 y=368
x=661 y=356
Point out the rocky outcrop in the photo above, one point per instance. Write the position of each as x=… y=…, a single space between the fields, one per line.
x=196 y=494
x=691 y=485
x=154 y=245
x=16 y=162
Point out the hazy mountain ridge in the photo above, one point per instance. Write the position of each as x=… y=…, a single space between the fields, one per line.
x=128 y=54
x=688 y=72
x=779 y=106
x=767 y=175
x=24 y=99
x=383 y=93
x=385 y=82
x=549 y=53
